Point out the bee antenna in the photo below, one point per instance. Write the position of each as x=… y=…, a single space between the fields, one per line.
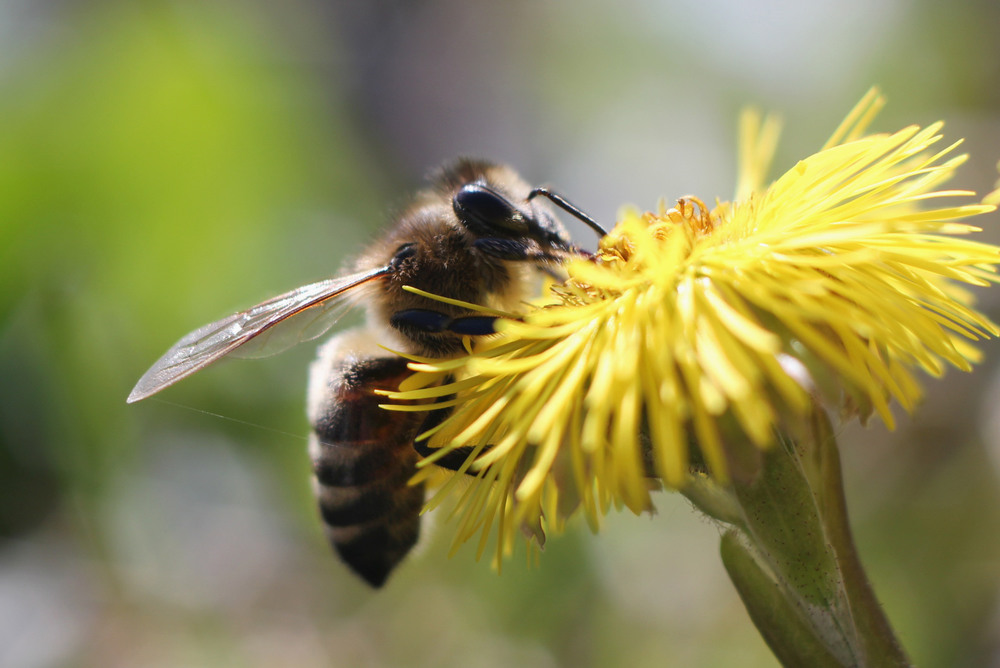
x=569 y=207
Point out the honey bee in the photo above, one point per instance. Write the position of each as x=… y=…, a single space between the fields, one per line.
x=476 y=234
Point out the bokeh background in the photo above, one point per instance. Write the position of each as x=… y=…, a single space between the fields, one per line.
x=163 y=163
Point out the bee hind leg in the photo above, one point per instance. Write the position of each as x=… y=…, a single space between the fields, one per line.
x=453 y=460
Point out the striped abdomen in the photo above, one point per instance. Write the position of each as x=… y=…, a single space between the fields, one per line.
x=363 y=457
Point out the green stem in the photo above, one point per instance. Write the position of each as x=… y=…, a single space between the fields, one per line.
x=875 y=631
x=793 y=561
x=787 y=632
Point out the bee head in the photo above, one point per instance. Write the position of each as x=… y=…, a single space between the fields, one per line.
x=488 y=213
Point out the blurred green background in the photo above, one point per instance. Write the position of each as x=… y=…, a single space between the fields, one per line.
x=164 y=163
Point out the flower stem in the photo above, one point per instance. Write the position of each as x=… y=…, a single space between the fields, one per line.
x=793 y=561
x=875 y=631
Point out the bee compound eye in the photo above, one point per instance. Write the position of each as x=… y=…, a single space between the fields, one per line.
x=486 y=212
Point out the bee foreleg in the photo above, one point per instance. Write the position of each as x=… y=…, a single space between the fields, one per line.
x=426 y=320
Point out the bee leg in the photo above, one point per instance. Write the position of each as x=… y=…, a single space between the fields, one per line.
x=426 y=320
x=453 y=460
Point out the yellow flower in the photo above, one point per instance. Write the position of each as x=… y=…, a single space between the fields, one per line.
x=697 y=333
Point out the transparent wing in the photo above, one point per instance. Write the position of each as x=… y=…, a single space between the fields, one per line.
x=304 y=325
x=303 y=313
